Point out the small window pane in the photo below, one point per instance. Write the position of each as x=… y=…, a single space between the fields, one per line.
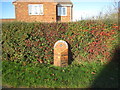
x=36 y=9
x=33 y=10
x=41 y=9
x=59 y=11
x=64 y=13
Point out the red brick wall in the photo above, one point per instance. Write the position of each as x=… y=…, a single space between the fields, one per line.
x=22 y=14
x=7 y=20
x=50 y=14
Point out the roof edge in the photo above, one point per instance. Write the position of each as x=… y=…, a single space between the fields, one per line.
x=56 y=1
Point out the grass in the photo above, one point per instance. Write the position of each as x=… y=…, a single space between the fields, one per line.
x=89 y=74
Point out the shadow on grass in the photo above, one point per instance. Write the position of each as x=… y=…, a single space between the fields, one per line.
x=108 y=77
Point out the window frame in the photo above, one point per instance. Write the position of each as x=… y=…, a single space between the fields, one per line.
x=40 y=5
x=60 y=13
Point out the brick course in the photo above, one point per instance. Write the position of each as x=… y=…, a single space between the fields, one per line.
x=7 y=20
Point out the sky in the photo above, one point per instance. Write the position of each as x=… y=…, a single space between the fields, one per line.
x=81 y=8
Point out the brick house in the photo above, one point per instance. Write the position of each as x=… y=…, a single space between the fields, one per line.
x=43 y=10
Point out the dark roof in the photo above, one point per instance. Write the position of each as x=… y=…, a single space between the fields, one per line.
x=57 y=1
x=63 y=1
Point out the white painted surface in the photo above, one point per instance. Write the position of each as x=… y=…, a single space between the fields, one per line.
x=61 y=41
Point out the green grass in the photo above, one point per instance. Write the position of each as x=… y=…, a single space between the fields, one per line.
x=88 y=74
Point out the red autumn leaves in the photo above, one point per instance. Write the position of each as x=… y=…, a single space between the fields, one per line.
x=93 y=37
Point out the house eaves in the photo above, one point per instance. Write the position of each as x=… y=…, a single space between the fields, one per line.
x=56 y=1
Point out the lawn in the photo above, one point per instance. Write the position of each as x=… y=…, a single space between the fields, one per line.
x=86 y=75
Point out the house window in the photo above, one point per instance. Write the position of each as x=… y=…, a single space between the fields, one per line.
x=62 y=11
x=35 y=9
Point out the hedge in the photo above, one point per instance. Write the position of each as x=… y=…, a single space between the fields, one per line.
x=33 y=42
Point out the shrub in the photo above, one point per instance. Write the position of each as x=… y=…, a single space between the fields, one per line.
x=33 y=42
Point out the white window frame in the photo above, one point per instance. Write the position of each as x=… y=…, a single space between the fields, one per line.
x=31 y=9
x=60 y=11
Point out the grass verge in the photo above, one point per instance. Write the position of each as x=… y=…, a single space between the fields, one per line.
x=88 y=74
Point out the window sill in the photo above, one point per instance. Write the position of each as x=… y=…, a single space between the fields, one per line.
x=36 y=14
x=62 y=15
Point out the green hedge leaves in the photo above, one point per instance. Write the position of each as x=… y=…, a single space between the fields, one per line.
x=33 y=42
